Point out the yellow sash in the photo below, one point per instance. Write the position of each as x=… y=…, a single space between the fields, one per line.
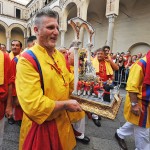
x=1 y=68
x=109 y=70
x=11 y=55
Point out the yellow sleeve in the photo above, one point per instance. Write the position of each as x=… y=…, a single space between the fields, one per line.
x=135 y=79
x=35 y=105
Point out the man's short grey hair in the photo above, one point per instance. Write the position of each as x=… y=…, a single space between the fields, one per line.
x=45 y=12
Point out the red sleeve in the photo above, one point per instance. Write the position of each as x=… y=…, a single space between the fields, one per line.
x=7 y=76
x=13 y=76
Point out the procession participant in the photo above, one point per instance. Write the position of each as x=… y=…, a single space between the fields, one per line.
x=106 y=50
x=137 y=106
x=63 y=50
x=104 y=69
x=139 y=55
x=30 y=42
x=104 y=66
x=3 y=48
x=5 y=80
x=18 y=113
x=16 y=47
x=43 y=84
x=16 y=50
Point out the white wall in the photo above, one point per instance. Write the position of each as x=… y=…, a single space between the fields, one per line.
x=129 y=31
x=9 y=8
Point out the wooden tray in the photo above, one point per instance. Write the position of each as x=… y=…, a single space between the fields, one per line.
x=104 y=110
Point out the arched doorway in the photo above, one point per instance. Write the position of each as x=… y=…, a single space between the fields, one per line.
x=96 y=17
x=139 y=47
x=3 y=39
x=72 y=12
x=17 y=34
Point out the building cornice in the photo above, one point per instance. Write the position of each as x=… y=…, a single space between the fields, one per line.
x=17 y=3
x=29 y=3
x=13 y=18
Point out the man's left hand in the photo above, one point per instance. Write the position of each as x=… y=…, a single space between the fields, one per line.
x=136 y=110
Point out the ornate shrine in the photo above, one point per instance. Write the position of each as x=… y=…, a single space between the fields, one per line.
x=94 y=95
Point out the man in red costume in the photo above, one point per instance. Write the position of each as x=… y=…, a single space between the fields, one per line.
x=5 y=80
x=18 y=113
x=105 y=68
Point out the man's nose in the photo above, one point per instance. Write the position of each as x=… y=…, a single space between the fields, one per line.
x=56 y=31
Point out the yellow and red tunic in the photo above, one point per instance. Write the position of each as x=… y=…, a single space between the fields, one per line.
x=103 y=69
x=135 y=85
x=38 y=106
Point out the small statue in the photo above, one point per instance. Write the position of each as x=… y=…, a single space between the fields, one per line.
x=87 y=86
x=98 y=88
x=107 y=87
x=92 y=87
x=79 y=87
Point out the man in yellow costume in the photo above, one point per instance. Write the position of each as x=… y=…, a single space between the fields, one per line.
x=137 y=106
x=43 y=84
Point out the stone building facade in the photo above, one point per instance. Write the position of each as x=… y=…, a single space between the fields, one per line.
x=121 y=24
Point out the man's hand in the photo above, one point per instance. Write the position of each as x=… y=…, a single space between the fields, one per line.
x=136 y=110
x=9 y=111
x=107 y=59
x=72 y=105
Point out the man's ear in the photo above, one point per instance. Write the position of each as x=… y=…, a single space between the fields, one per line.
x=36 y=30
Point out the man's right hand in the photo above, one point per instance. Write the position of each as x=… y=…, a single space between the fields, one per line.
x=72 y=105
x=9 y=111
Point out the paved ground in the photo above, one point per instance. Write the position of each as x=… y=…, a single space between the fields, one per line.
x=102 y=138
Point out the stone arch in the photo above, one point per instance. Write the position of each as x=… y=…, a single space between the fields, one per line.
x=17 y=34
x=139 y=47
x=58 y=9
x=97 y=18
x=4 y=25
x=3 y=32
x=67 y=2
x=65 y=12
x=14 y=25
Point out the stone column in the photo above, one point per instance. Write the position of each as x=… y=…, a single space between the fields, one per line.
x=76 y=65
x=25 y=42
x=25 y=38
x=8 y=40
x=62 y=38
x=111 y=19
x=89 y=52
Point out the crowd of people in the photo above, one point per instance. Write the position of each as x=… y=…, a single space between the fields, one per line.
x=35 y=85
